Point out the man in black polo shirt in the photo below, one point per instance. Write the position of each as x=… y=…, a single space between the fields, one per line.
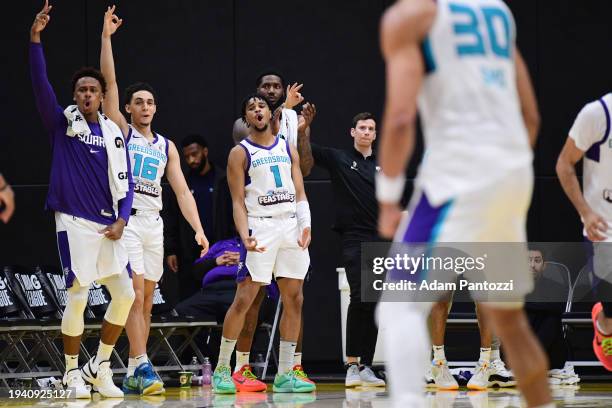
x=352 y=174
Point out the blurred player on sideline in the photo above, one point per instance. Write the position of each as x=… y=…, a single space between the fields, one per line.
x=588 y=140
x=475 y=181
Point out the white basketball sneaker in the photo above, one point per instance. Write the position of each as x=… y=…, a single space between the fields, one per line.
x=369 y=379
x=353 y=379
x=73 y=379
x=442 y=377
x=500 y=375
x=480 y=379
x=101 y=379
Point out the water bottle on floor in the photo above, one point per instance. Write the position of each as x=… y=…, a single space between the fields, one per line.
x=206 y=371
x=196 y=379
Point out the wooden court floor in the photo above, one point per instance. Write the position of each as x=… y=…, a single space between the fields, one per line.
x=335 y=395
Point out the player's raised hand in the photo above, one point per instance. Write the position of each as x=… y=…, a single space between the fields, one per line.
x=40 y=22
x=294 y=97
x=203 y=242
x=309 y=111
x=111 y=22
x=595 y=226
x=250 y=244
x=389 y=216
x=304 y=240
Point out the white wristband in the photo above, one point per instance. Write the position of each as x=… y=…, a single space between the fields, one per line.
x=303 y=214
x=389 y=190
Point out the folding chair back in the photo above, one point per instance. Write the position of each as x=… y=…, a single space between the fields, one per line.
x=9 y=304
x=36 y=295
x=160 y=305
x=98 y=301
x=54 y=279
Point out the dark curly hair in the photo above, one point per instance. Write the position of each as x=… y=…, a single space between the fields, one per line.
x=89 y=72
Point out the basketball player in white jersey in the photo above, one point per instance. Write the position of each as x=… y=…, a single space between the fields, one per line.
x=152 y=155
x=589 y=140
x=272 y=217
x=458 y=60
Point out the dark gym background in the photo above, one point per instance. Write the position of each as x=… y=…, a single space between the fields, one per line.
x=203 y=56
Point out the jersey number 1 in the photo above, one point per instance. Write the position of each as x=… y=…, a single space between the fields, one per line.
x=277 y=176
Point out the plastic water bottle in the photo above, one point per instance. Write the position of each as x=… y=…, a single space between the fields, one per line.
x=195 y=378
x=206 y=371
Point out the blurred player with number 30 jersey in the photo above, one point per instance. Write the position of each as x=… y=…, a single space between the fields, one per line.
x=457 y=61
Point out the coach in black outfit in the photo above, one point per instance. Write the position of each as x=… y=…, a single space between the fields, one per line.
x=352 y=175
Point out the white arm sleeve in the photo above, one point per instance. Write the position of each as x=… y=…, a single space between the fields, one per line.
x=590 y=126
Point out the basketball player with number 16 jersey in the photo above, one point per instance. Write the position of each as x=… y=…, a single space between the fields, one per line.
x=152 y=155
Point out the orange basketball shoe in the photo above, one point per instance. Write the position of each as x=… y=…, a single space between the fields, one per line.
x=246 y=381
x=602 y=344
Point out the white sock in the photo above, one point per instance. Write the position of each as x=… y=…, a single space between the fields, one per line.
x=72 y=362
x=285 y=356
x=242 y=359
x=142 y=359
x=131 y=367
x=104 y=353
x=297 y=359
x=438 y=352
x=485 y=354
x=495 y=354
x=225 y=351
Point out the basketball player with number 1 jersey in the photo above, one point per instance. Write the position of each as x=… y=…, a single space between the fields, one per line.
x=152 y=155
x=457 y=61
x=272 y=217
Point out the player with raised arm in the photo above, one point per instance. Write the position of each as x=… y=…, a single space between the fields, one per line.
x=91 y=192
x=475 y=182
x=272 y=217
x=152 y=156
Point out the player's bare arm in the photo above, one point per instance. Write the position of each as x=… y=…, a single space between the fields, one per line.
x=7 y=200
x=300 y=195
x=184 y=197
x=110 y=103
x=529 y=104
x=309 y=110
x=236 y=165
x=403 y=28
x=594 y=224
x=40 y=22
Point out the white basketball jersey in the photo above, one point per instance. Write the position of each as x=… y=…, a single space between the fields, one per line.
x=469 y=105
x=148 y=160
x=269 y=186
x=591 y=134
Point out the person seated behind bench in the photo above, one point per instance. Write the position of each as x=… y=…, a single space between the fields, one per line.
x=217 y=271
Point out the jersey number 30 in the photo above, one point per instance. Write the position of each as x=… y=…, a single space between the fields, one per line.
x=146 y=168
x=470 y=33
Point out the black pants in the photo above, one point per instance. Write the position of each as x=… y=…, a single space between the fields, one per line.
x=211 y=302
x=361 y=329
x=547 y=326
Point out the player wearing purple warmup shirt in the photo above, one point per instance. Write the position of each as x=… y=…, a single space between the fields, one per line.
x=91 y=192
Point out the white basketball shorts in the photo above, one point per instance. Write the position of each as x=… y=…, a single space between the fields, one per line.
x=283 y=257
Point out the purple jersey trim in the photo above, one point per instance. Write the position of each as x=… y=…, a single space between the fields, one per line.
x=288 y=151
x=64 y=252
x=247 y=178
x=263 y=147
x=593 y=152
